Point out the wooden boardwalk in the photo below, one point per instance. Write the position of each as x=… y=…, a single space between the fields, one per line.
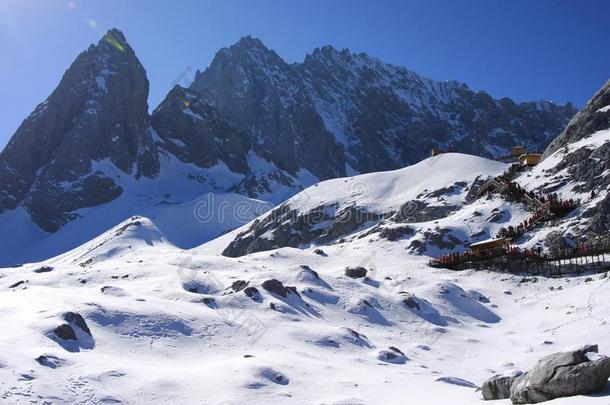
x=592 y=256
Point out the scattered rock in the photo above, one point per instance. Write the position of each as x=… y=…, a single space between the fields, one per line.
x=563 y=374
x=252 y=292
x=48 y=360
x=410 y=302
x=310 y=270
x=17 y=284
x=239 y=285
x=110 y=290
x=43 y=269
x=396 y=233
x=355 y=272
x=209 y=301
x=292 y=290
x=320 y=252
x=457 y=381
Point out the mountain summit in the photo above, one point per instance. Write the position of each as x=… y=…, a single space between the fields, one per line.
x=58 y=159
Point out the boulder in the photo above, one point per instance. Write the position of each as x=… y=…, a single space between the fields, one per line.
x=355 y=272
x=276 y=287
x=564 y=374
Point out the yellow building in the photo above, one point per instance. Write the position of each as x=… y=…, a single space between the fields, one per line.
x=530 y=159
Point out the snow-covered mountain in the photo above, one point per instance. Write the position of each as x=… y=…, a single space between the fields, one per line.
x=249 y=124
x=380 y=116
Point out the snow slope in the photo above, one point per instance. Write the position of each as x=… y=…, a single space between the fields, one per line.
x=176 y=326
x=386 y=191
x=155 y=342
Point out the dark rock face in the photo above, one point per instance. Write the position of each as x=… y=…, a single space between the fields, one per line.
x=65 y=332
x=269 y=122
x=195 y=132
x=418 y=211
x=337 y=107
x=288 y=227
x=98 y=113
x=563 y=374
x=587 y=167
x=590 y=119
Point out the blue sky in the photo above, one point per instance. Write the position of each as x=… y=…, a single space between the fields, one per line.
x=553 y=50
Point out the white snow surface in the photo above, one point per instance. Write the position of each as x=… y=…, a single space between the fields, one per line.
x=155 y=342
x=386 y=191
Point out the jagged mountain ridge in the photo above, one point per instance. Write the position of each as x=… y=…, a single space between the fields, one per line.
x=384 y=117
x=267 y=128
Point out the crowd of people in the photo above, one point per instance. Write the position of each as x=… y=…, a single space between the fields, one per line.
x=549 y=207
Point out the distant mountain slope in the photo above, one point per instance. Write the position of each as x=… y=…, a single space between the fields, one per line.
x=401 y=204
x=381 y=116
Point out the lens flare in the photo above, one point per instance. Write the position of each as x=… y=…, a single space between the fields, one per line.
x=112 y=41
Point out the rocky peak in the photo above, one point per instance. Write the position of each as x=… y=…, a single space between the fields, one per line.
x=265 y=97
x=594 y=117
x=98 y=113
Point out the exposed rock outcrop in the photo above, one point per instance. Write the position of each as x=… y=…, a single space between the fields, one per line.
x=594 y=117
x=563 y=374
